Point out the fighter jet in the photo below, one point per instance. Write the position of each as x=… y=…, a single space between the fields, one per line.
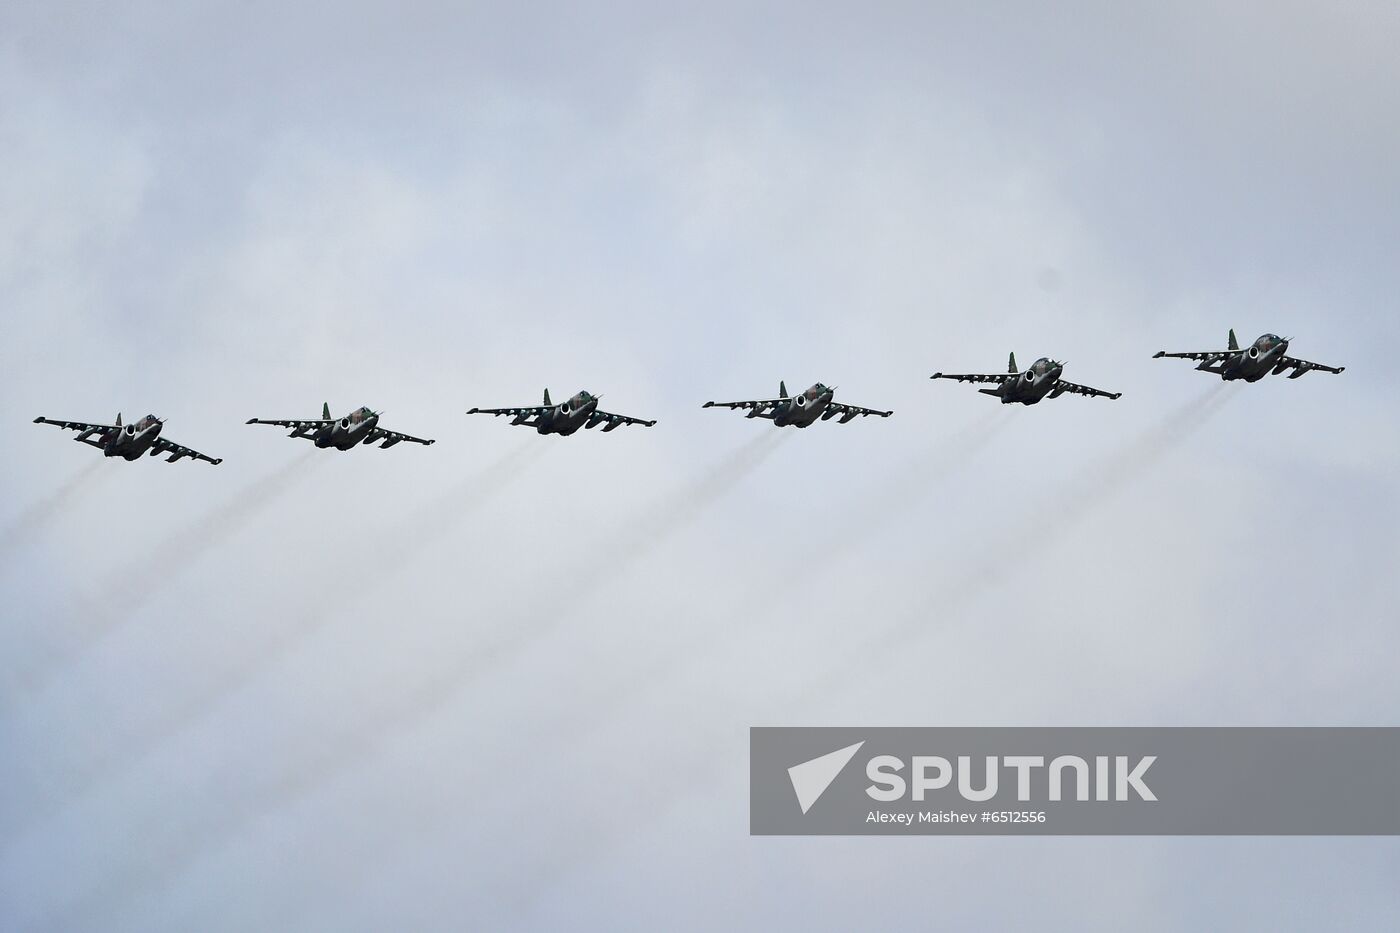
x=566 y=418
x=802 y=409
x=129 y=441
x=1029 y=387
x=1266 y=355
x=361 y=426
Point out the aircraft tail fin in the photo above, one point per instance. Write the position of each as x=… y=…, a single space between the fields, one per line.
x=119 y=419
x=1011 y=364
x=326 y=410
x=782 y=389
x=1234 y=344
x=547 y=402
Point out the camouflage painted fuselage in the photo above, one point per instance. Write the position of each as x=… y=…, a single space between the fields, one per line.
x=804 y=408
x=131 y=441
x=568 y=416
x=1029 y=387
x=1252 y=363
x=344 y=433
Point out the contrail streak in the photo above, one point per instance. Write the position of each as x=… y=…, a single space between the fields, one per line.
x=919 y=478
x=32 y=520
x=364 y=736
x=125 y=595
x=393 y=549
x=1086 y=495
x=655 y=799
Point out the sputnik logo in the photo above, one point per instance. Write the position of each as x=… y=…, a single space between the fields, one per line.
x=811 y=778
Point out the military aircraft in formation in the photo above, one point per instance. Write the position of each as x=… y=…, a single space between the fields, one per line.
x=580 y=411
x=1030 y=386
x=361 y=426
x=129 y=441
x=1265 y=356
x=802 y=409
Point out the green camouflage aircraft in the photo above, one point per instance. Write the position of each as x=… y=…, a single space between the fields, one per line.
x=129 y=441
x=580 y=411
x=1265 y=356
x=361 y=426
x=802 y=409
x=1029 y=387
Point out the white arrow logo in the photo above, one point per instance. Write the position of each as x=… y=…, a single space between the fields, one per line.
x=811 y=778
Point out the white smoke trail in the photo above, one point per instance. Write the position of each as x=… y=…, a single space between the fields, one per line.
x=388 y=553
x=32 y=520
x=653 y=800
x=362 y=738
x=124 y=596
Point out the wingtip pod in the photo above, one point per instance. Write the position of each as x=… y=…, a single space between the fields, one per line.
x=218 y=460
x=936 y=376
x=708 y=405
x=251 y=421
x=474 y=411
x=1116 y=396
x=651 y=423
x=1159 y=354
x=40 y=420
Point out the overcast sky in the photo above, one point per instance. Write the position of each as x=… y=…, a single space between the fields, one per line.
x=507 y=680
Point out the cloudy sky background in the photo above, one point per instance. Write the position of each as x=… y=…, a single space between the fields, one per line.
x=508 y=679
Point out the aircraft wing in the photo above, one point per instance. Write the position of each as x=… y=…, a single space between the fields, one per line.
x=1300 y=367
x=81 y=426
x=162 y=446
x=1205 y=356
x=1086 y=391
x=847 y=412
x=301 y=425
x=758 y=408
x=529 y=411
x=614 y=421
x=976 y=377
x=391 y=438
